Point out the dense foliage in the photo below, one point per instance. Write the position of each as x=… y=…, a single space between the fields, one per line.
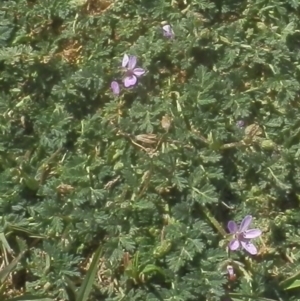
x=151 y=177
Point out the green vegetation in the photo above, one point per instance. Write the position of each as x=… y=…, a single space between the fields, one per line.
x=126 y=195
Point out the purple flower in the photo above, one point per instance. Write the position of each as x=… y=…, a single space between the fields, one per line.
x=168 y=31
x=240 y=123
x=132 y=73
x=243 y=236
x=115 y=87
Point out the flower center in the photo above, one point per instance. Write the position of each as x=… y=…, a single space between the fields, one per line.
x=129 y=73
x=239 y=235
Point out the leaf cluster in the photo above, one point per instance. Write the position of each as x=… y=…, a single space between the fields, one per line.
x=82 y=170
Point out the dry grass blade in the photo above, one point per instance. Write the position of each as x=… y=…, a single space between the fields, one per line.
x=9 y=268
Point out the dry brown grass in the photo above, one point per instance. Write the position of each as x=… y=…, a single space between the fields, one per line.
x=97 y=7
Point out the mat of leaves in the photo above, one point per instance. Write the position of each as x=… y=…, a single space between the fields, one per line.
x=132 y=132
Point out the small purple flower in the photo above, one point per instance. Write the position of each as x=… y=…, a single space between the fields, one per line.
x=243 y=236
x=240 y=123
x=168 y=31
x=132 y=73
x=115 y=87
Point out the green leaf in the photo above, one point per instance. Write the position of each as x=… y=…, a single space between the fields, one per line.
x=151 y=268
x=5 y=32
x=205 y=194
x=88 y=282
x=294 y=284
x=12 y=227
x=70 y=289
x=233 y=295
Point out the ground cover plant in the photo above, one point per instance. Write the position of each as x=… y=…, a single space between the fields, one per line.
x=149 y=150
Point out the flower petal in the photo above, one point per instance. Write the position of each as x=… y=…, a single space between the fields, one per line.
x=132 y=62
x=245 y=223
x=168 y=31
x=167 y=28
x=252 y=233
x=130 y=81
x=138 y=71
x=115 y=87
x=234 y=245
x=249 y=247
x=125 y=60
x=232 y=227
